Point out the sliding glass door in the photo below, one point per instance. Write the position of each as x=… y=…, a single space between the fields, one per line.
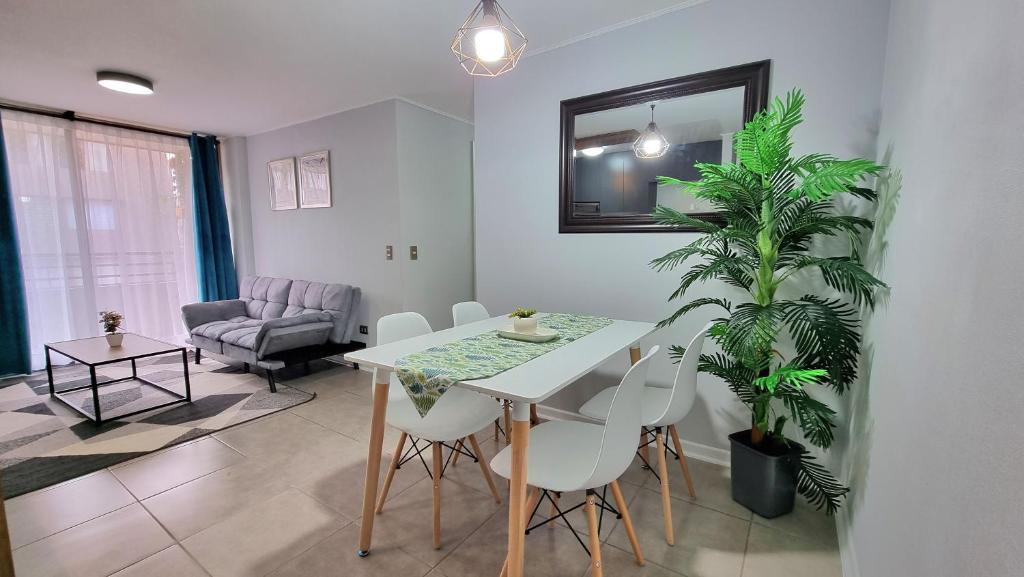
x=104 y=221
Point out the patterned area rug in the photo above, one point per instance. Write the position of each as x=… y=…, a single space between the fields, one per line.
x=43 y=442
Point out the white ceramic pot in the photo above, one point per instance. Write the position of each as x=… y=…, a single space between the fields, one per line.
x=525 y=326
x=114 y=339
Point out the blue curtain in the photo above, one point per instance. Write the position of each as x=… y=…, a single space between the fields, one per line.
x=215 y=266
x=15 y=358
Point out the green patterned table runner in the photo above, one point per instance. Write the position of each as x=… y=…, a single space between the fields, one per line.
x=428 y=374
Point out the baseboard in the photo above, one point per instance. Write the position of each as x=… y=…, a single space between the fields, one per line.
x=847 y=552
x=697 y=451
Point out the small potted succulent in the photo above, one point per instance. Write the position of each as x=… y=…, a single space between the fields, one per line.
x=111 y=321
x=523 y=321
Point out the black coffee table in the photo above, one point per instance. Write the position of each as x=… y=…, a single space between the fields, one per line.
x=94 y=352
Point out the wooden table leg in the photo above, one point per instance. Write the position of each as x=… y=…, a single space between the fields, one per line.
x=517 y=491
x=380 y=407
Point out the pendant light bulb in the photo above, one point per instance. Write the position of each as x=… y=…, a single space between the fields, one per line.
x=488 y=43
x=651 y=143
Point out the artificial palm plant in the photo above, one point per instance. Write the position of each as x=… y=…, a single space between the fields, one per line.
x=774 y=207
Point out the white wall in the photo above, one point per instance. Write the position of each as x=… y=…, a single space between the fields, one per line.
x=235 y=168
x=400 y=176
x=343 y=243
x=937 y=464
x=435 y=193
x=833 y=50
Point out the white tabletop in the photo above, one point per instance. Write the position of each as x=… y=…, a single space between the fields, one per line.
x=532 y=381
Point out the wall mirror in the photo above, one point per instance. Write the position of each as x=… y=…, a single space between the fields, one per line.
x=615 y=144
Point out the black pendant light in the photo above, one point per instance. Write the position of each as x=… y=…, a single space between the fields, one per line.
x=488 y=43
x=651 y=143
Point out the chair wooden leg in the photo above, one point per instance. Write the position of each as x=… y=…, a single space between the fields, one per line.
x=391 y=473
x=596 y=569
x=497 y=427
x=484 y=467
x=682 y=460
x=437 y=495
x=627 y=522
x=554 y=508
x=534 y=417
x=459 y=444
x=666 y=499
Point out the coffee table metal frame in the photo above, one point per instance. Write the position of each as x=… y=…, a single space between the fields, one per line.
x=95 y=386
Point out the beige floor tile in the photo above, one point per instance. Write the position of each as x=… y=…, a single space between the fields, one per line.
x=338 y=480
x=711 y=483
x=707 y=543
x=95 y=548
x=264 y=536
x=407 y=521
x=42 y=513
x=275 y=436
x=330 y=383
x=158 y=472
x=772 y=553
x=805 y=521
x=345 y=413
x=619 y=563
x=549 y=553
x=196 y=505
x=336 y=556
x=171 y=562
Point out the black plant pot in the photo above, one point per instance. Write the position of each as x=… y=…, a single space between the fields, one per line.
x=764 y=477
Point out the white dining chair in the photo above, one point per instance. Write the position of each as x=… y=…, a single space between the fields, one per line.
x=567 y=456
x=457 y=415
x=662 y=409
x=471 y=312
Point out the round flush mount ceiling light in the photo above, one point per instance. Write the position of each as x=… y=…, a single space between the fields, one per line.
x=651 y=143
x=488 y=43
x=593 y=151
x=124 y=82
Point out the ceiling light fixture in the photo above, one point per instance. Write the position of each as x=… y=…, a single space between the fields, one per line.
x=123 y=82
x=488 y=43
x=651 y=143
x=593 y=151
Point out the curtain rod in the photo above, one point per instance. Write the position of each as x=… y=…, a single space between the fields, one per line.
x=71 y=115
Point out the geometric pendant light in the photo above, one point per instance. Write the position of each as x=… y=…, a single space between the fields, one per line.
x=488 y=43
x=651 y=143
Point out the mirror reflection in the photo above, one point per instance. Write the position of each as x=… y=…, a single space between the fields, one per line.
x=619 y=153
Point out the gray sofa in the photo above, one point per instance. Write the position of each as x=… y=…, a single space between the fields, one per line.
x=276 y=322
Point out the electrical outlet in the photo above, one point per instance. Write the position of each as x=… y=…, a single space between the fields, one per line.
x=389 y=252
x=364 y=330
x=414 y=252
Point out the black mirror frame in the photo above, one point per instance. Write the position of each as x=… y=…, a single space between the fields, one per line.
x=753 y=77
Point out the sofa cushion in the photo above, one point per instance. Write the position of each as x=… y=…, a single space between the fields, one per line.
x=265 y=297
x=244 y=337
x=339 y=300
x=217 y=329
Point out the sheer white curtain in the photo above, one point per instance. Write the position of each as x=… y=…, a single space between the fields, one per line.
x=104 y=223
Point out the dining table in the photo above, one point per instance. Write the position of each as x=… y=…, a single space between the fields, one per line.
x=524 y=385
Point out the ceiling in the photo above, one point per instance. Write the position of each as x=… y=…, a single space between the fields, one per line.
x=239 y=67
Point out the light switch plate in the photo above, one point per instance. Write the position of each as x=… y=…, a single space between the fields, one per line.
x=414 y=252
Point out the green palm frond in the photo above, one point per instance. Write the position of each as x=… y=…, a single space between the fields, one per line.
x=694 y=305
x=823 y=176
x=792 y=376
x=844 y=274
x=763 y=146
x=825 y=333
x=672 y=217
x=815 y=418
x=818 y=485
x=736 y=376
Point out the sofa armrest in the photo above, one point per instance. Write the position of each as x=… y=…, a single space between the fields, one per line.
x=196 y=314
x=292 y=332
